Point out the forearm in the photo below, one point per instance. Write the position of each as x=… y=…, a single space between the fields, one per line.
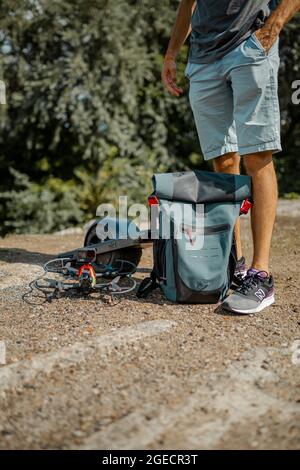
x=283 y=13
x=181 y=28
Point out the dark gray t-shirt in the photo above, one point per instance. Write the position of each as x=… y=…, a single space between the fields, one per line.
x=218 y=26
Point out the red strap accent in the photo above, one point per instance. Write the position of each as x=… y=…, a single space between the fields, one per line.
x=152 y=200
x=246 y=206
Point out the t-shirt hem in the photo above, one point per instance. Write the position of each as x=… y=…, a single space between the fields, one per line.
x=213 y=56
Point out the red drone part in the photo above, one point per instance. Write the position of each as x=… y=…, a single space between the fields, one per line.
x=87 y=276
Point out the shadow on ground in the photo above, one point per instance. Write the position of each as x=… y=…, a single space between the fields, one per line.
x=19 y=255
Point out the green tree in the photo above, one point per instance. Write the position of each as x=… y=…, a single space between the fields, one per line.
x=87 y=113
x=287 y=162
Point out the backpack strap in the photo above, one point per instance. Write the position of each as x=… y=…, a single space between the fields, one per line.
x=146 y=286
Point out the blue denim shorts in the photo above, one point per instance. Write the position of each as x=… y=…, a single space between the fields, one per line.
x=235 y=100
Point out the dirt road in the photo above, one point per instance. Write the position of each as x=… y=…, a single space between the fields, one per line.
x=148 y=374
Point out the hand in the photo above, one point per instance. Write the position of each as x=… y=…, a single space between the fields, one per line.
x=191 y=236
x=266 y=37
x=168 y=76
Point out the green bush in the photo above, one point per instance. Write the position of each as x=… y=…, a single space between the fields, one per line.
x=34 y=208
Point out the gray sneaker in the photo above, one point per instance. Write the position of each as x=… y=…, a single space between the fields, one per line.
x=254 y=294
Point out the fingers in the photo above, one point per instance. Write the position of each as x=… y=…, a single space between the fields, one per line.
x=190 y=235
x=169 y=77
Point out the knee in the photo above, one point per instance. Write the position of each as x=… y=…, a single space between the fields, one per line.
x=258 y=161
x=228 y=163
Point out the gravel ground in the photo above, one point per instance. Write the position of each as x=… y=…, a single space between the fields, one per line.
x=90 y=374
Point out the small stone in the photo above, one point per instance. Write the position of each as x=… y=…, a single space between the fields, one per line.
x=29 y=386
x=78 y=433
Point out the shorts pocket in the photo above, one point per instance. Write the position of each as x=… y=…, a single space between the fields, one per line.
x=258 y=43
x=186 y=71
x=192 y=69
x=261 y=47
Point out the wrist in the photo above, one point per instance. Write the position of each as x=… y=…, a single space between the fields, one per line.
x=275 y=24
x=170 y=56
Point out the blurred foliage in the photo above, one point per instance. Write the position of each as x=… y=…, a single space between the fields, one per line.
x=291 y=196
x=35 y=208
x=288 y=162
x=87 y=117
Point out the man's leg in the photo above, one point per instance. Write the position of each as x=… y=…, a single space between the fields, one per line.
x=257 y=289
x=253 y=73
x=261 y=168
x=230 y=163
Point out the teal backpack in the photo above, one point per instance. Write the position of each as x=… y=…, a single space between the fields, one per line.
x=194 y=249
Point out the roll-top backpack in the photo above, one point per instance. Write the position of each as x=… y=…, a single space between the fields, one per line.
x=194 y=262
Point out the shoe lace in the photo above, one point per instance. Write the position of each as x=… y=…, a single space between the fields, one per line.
x=250 y=281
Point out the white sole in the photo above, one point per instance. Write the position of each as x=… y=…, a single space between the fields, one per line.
x=265 y=303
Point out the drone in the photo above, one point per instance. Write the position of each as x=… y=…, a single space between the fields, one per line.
x=83 y=276
x=103 y=265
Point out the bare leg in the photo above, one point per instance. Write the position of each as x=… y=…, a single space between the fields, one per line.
x=230 y=163
x=260 y=166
